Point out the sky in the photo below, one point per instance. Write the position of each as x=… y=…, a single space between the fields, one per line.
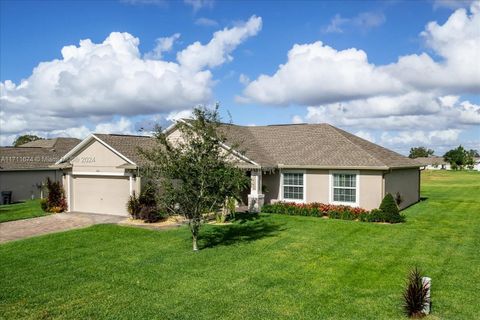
x=398 y=73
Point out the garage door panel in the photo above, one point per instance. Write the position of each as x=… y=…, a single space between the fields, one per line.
x=107 y=195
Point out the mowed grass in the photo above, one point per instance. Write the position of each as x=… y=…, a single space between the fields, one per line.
x=269 y=267
x=22 y=210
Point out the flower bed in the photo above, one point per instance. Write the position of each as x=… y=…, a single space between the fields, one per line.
x=316 y=209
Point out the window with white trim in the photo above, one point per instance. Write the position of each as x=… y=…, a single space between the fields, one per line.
x=293 y=186
x=345 y=187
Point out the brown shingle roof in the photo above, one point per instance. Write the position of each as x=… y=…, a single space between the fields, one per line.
x=38 y=154
x=315 y=145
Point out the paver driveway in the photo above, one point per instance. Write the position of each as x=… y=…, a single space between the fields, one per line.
x=20 y=229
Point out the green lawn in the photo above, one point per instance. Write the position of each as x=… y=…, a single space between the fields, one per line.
x=22 y=210
x=271 y=267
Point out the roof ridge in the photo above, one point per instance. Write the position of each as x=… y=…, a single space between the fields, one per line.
x=341 y=132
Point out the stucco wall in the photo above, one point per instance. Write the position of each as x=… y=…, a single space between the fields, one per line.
x=271 y=181
x=406 y=182
x=318 y=187
x=95 y=157
x=23 y=183
x=371 y=189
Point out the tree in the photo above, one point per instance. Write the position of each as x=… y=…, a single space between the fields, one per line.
x=459 y=158
x=25 y=138
x=418 y=152
x=474 y=153
x=194 y=174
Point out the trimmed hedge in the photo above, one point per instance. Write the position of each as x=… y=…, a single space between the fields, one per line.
x=333 y=212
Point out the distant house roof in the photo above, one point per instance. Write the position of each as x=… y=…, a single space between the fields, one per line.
x=431 y=161
x=311 y=146
x=35 y=155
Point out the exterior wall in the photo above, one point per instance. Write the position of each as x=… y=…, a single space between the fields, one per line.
x=271 y=181
x=97 y=158
x=371 y=189
x=406 y=182
x=23 y=184
x=318 y=187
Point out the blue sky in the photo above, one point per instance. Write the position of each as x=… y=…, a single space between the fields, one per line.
x=343 y=66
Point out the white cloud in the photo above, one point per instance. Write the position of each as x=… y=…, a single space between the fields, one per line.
x=183 y=114
x=197 y=56
x=206 y=22
x=162 y=45
x=365 y=135
x=419 y=137
x=244 y=79
x=297 y=119
x=199 y=4
x=363 y=22
x=316 y=73
x=92 y=82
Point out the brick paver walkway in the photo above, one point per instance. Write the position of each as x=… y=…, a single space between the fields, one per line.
x=20 y=229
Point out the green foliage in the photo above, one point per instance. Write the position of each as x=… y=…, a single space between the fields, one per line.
x=418 y=152
x=459 y=158
x=415 y=295
x=390 y=213
x=44 y=205
x=56 y=201
x=389 y=205
x=25 y=138
x=194 y=173
x=134 y=206
x=145 y=206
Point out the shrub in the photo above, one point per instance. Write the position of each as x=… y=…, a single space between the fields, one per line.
x=44 y=205
x=55 y=201
x=390 y=210
x=415 y=295
x=134 y=206
x=376 y=215
x=149 y=214
x=145 y=206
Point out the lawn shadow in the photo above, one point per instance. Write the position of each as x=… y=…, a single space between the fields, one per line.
x=245 y=228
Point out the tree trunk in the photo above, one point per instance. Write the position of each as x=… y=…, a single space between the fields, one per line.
x=195 y=245
x=194 y=228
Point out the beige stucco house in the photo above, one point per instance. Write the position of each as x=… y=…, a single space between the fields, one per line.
x=101 y=172
x=298 y=163
x=24 y=169
x=306 y=163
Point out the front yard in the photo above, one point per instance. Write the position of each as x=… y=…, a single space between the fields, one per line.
x=265 y=267
x=22 y=210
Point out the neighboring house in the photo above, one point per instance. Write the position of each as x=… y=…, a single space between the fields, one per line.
x=298 y=163
x=101 y=172
x=433 y=163
x=476 y=162
x=24 y=169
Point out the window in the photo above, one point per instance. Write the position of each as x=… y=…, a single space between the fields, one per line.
x=344 y=187
x=293 y=186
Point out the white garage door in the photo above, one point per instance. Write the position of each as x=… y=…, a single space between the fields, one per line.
x=107 y=195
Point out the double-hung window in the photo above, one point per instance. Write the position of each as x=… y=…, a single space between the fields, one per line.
x=345 y=187
x=293 y=186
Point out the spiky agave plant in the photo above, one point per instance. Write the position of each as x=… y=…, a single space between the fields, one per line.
x=415 y=295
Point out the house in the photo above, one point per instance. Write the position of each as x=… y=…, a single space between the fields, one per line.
x=433 y=163
x=101 y=172
x=296 y=163
x=24 y=169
